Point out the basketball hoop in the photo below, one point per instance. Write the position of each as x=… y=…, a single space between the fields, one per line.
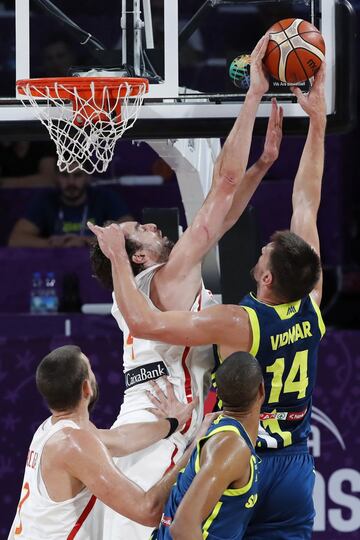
x=102 y=110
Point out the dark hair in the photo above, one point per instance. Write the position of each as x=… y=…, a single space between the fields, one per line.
x=60 y=377
x=238 y=380
x=101 y=265
x=295 y=266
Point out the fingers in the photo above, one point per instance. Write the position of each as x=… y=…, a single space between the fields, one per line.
x=274 y=111
x=260 y=49
x=154 y=399
x=195 y=401
x=280 y=117
x=319 y=78
x=155 y=412
x=159 y=394
x=192 y=405
x=169 y=390
x=298 y=93
x=94 y=228
x=263 y=47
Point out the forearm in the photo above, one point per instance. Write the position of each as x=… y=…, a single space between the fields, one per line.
x=307 y=185
x=235 y=153
x=130 y=301
x=125 y=440
x=185 y=530
x=159 y=493
x=246 y=189
x=29 y=181
x=24 y=240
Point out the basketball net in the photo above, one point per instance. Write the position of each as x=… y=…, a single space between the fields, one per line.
x=102 y=110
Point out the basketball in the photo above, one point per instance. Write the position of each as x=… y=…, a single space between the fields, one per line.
x=239 y=71
x=295 y=51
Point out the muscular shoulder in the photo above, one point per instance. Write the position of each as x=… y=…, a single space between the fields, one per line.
x=70 y=443
x=227 y=455
x=225 y=447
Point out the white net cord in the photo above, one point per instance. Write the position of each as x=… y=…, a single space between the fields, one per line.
x=85 y=133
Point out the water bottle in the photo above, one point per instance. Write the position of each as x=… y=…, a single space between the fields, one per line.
x=51 y=300
x=36 y=300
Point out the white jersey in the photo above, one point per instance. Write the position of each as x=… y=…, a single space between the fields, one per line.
x=38 y=517
x=189 y=372
x=189 y=368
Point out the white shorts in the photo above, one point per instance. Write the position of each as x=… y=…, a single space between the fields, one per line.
x=145 y=468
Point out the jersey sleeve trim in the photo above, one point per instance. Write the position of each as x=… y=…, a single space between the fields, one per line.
x=220 y=429
x=255 y=327
x=241 y=491
x=210 y=519
x=322 y=326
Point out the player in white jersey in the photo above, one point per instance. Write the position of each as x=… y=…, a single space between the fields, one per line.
x=68 y=466
x=170 y=278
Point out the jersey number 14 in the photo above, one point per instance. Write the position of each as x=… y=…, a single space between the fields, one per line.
x=296 y=381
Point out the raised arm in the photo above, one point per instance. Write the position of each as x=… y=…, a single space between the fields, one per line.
x=223 y=324
x=224 y=460
x=229 y=169
x=307 y=186
x=256 y=172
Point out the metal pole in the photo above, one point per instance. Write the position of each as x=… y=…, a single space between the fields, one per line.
x=138 y=25
x=123 y=30
x=149 y=34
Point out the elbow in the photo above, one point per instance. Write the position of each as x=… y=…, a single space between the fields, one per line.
x=229 y=180
x=151 y=513
x=138 y=327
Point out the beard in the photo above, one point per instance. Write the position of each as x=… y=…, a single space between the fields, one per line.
x=94 y=397
x=73 y=193
x=165 y=251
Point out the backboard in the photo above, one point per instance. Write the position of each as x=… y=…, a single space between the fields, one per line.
x=185 y=48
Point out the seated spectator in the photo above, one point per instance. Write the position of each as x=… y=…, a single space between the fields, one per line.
x=57 y=218
x=26 y=164
x=59 y=56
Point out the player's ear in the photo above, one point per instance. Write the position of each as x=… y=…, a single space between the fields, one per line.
x=139 y=257
x=86 y=388
x=262 y=392
x=268 y=278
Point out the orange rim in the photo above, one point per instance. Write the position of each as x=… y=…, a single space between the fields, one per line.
x=86 y=87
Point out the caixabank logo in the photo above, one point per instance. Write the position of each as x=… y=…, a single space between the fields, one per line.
x=337 y=485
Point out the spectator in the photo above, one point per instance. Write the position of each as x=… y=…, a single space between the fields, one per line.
x=58 y=57
x=57 y=218
x=27 y=164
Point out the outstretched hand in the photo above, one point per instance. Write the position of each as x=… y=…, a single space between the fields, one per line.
x=274 y=133
x=111 y=239
x=313 y=103
x=167 y=405
x=259 y=81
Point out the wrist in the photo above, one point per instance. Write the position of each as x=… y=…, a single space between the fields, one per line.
x=119 y=256
x=174 y=424
x=254 y=95
x=318 y=123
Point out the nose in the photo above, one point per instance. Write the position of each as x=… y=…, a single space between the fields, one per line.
x=151 y=227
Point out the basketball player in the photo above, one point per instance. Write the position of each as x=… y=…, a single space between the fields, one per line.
x=215 y=495
x=281 y=325
x=68 y=467
x=171 y=279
